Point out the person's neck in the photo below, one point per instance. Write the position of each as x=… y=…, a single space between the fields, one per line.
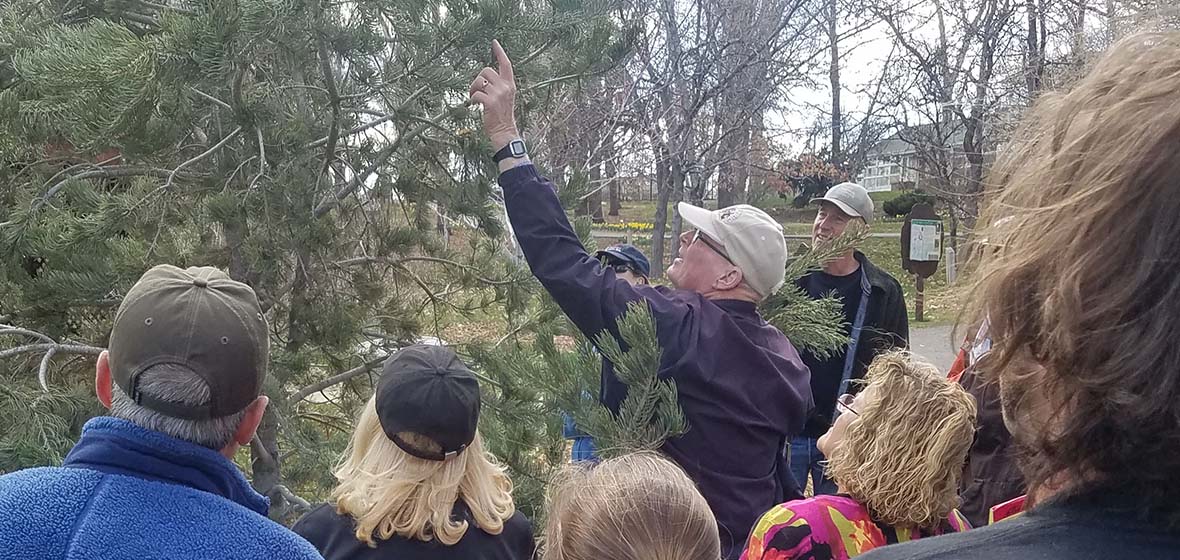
x=842 y=266
x=737 y=294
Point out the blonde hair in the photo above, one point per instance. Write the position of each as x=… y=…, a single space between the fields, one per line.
x=390 y=492
x=902 y=455
x=1084 y=299
x=635 y=507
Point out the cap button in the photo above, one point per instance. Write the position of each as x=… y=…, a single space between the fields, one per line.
x=200 y=282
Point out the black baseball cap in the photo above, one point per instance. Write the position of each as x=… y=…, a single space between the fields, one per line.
x=197 y=318
x=427 y=390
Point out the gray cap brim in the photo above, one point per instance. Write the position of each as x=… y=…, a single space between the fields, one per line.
x=842 y=206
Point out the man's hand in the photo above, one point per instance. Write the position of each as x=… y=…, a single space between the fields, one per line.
x=496 y=92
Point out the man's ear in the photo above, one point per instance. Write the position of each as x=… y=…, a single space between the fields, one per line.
x=250 y=421
x=730 y=280
x=102 y=379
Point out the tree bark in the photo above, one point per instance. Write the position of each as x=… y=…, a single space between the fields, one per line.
x=660 y=225
x=837 y=155
x=612 y=177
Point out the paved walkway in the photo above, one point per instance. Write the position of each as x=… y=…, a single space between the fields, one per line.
x=934 y=345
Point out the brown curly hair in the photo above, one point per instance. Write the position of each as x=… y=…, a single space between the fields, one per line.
x=902 y=455
x=1084 y=297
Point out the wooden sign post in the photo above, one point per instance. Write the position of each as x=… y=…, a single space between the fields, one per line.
x=921 y=248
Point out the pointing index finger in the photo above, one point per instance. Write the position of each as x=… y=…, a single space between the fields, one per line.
x=505 y=65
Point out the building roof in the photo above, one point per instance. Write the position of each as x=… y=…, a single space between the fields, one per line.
x=909 y=139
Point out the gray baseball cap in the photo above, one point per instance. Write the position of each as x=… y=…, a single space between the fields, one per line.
x=850 y=198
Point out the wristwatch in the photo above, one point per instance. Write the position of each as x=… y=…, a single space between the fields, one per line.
x=514 y=149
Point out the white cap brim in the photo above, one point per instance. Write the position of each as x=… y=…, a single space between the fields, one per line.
x=699 y=218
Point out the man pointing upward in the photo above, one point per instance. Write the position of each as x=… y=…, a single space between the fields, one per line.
x=741 y=384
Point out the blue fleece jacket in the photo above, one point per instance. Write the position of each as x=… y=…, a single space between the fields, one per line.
x=126 y=492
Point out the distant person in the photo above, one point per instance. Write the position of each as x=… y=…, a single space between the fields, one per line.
x=874 y=310
x=630 y=264
x=416 y=483
x=182 y=378
x=1083 y=307
x=635 y=507
x=895 y=453
x=991 y=475
x=742 y=386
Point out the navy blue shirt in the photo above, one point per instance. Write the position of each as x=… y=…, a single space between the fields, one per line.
x=826 y=374
x=743 y=387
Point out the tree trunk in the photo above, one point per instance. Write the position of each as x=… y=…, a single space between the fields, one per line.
x=265 y=464
x=660 y=225
x=834 y=81
x=678 y=177
x=594 y=201
x=1032 y=57
x=612 y=177
x=1112 y=23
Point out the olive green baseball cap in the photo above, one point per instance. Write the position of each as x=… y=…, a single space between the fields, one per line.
x=197 y=318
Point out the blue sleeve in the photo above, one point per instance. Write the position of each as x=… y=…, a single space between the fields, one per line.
x=590 y=295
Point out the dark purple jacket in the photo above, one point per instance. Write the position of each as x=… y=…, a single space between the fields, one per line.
x=742 y=386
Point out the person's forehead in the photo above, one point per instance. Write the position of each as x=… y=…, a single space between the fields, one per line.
x=828 y=207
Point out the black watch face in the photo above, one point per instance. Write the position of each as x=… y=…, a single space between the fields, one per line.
x=516 y=148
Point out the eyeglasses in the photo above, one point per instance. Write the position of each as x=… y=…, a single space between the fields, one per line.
x=845 y=402
x=698 y=236
x=618 y=267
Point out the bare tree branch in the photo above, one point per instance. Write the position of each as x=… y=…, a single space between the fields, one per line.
x=337 y=379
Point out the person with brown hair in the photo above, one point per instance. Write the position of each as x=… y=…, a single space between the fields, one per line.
x=415 y=482
x=1083 y=304
x=895 y=452
x=635 y=507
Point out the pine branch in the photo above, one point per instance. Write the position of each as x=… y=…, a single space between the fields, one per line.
x=337 y=379
x=47 y=345
x=202 y=156
x=383 y=156
x=103 y=173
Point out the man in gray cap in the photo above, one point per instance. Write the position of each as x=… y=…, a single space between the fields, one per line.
x=742 y=386
x=182 y=378
x=874 y=309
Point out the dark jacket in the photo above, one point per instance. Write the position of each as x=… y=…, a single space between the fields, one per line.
x=991 y=475
x=127 y=492
x=742 y=386
x=1095 y=526
x=335 y=537
x=886 y=327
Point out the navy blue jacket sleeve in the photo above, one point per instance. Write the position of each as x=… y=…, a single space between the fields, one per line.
x=590 y=295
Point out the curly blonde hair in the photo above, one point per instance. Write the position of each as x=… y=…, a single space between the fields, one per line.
x=636 y=507
x=390 y=492
x=902 y=455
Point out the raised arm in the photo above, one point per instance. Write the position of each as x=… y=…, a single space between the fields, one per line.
x=592 y=297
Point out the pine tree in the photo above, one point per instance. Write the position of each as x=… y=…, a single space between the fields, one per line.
x=311 y=149
x=323 y=155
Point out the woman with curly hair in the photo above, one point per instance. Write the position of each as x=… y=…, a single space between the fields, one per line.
x=415 y=482
x=896 y=453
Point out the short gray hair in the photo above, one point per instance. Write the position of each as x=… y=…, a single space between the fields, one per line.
x=176 y=383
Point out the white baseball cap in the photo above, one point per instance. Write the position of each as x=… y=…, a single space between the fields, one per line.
x=850 y=198
x=751 y=238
